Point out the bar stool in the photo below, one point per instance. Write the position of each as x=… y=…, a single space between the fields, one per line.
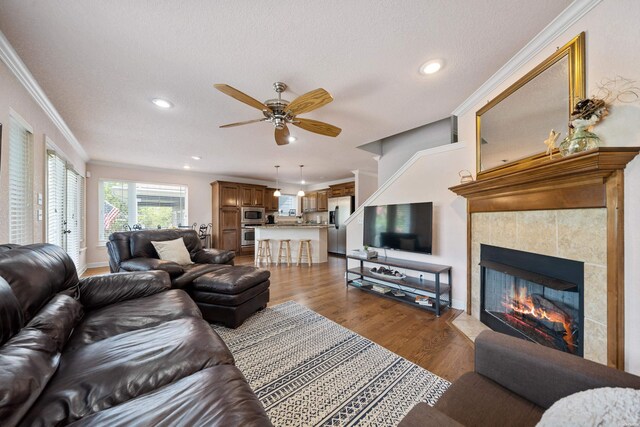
x=264 y=252
x=286 y=248
x=305 y=245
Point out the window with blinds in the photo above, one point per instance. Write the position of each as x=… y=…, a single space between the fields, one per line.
x=20 y=182
x=73 y=215
x=65 y=206
x=124 y=204
x=56 y=183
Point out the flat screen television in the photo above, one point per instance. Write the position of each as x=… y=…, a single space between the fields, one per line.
x=405 y=227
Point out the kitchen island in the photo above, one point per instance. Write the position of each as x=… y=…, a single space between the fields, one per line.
x=317 y=233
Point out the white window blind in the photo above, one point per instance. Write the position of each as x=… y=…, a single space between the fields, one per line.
x=73 y=215
x=20 y=183
x=82 y=202
x=56 y=183
x=65 y=206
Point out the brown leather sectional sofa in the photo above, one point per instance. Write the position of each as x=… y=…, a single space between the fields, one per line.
x=116 y=350
x=514 y=382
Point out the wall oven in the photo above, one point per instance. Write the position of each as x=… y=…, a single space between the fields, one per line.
x=252 y=215
x=248 y=233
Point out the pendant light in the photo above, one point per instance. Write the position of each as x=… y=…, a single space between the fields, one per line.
x=277 y=192
x=301 y=192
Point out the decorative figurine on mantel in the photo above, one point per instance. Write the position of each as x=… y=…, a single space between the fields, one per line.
x=551 y=142
x=588 y=112
x=585 y=115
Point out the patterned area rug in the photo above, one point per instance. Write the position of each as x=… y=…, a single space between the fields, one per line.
x=310 y=371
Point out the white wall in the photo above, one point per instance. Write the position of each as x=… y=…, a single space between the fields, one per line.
x=612 y=33
x=199 y=195
x=366 y=185
x=426 y=178
x=15 y=96
x=397 y=149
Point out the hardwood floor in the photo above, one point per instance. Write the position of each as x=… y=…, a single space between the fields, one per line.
x=414 y=334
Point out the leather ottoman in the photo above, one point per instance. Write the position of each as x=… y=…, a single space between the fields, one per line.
x=230 y=294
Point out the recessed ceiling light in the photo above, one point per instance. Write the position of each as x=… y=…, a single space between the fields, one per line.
x=162 y=103
x=431 y=67
x=196 y=157
x=303 y=182
x=187 y=167
x=292 y=139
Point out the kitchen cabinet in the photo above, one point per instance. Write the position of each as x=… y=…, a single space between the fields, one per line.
x=229 y=195
x=226 y=200
x=271 y=202
x=322 y=201
x=229 y=229
x=315 y=201
x=310 y=202
x=252 y=196
x=345 y=189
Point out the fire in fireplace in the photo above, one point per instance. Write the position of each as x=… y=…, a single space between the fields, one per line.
x=532 y=296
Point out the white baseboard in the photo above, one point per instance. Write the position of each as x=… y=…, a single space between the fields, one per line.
x=459 y=304
x=97 y=264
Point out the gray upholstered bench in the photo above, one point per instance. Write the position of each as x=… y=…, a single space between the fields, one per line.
x=230 y=294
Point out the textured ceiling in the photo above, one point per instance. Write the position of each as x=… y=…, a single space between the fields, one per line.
x=100 y=63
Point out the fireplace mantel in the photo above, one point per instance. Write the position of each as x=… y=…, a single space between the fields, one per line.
x=592 y=179
x=572 y=182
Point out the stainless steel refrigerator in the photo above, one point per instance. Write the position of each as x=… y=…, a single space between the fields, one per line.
x=339 y=210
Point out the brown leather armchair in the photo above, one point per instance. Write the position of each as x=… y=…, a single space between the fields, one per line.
x=133 y=251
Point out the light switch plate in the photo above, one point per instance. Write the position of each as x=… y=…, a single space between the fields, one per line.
x=39 y=214
x=39 y=199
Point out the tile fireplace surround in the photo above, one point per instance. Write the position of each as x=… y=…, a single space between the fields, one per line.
x=571 y=208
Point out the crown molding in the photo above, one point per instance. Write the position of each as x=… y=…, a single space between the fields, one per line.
x=576 y=10
x=9 y=56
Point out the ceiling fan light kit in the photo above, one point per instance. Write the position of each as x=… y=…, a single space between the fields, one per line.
x=280 y=112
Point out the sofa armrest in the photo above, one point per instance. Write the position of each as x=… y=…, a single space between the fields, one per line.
x=541 y=374
x=213 y=256
x=151 y=264
x=423 y=415
x=98 y=291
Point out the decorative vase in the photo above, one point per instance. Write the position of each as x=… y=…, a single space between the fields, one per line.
x=580 y=140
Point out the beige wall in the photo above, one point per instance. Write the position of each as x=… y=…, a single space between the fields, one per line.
x=14 y=96
x=199 y=196
x=612 y=33
x=428 y=180
x=366 y=185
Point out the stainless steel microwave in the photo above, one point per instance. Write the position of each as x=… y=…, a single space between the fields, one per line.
x=252 y=215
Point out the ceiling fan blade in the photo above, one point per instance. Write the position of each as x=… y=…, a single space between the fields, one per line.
x=317 y=127
x=282 y=136
x=309 y=101
x=230 y=125
x=242 y=97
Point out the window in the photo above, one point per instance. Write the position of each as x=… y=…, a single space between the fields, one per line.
x=287 y=204
x=125 y=203
x=20 y=181
x=65 y=206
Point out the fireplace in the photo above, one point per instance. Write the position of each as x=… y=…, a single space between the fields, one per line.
x=535 y=297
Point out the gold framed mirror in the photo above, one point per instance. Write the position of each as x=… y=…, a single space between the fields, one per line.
x=512 y=127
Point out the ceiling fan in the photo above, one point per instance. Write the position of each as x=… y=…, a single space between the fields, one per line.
x=281 y=112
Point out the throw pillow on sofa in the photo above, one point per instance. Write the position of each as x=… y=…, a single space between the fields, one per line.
x=173 y=250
